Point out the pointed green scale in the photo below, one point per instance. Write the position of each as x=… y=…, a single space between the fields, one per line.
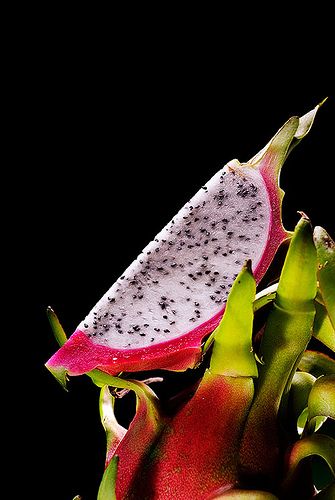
x=325 y=247
x=232 y=350
x=287 y=333
x=56 y=327
x=114 y=431
x=297 y=286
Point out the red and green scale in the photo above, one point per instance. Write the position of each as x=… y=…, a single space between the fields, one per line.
x=251 y=424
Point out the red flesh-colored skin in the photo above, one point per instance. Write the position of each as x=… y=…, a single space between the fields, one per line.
x=198 y=450
x=80 y=355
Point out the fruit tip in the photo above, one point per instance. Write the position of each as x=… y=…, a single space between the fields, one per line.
x=303 y=215
x=248 y=265
x=322 y=102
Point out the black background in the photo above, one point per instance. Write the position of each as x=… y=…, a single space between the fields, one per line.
x=110 y=149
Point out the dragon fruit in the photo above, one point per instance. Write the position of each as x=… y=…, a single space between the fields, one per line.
x=249 y=425
x=158 y=312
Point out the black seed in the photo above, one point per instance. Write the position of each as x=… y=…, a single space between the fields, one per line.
x=166 y=331
x=208 y=284
x=172 y=322
x=140 y=296
x=142 y=334
x=152 y=339
x=188 y=299
x=212 y=297
x=196 y=304
x=207 y=272
x=192 y=319
x=182 y=282
x=136 y=328
x=216 y=272
x=218 y=292
x=163 y=305
x=157 y=329
x=86 y=325
x=155 y=282
x=146 y=325
x=173 y=264
x=120 y=331
x=165 y=317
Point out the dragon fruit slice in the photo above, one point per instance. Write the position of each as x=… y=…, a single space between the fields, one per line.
x=158 y=312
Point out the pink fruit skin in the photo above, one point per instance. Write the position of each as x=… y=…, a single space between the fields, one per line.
x=80 y=355
x=197 y=451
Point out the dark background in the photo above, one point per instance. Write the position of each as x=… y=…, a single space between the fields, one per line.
x=110 y=149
